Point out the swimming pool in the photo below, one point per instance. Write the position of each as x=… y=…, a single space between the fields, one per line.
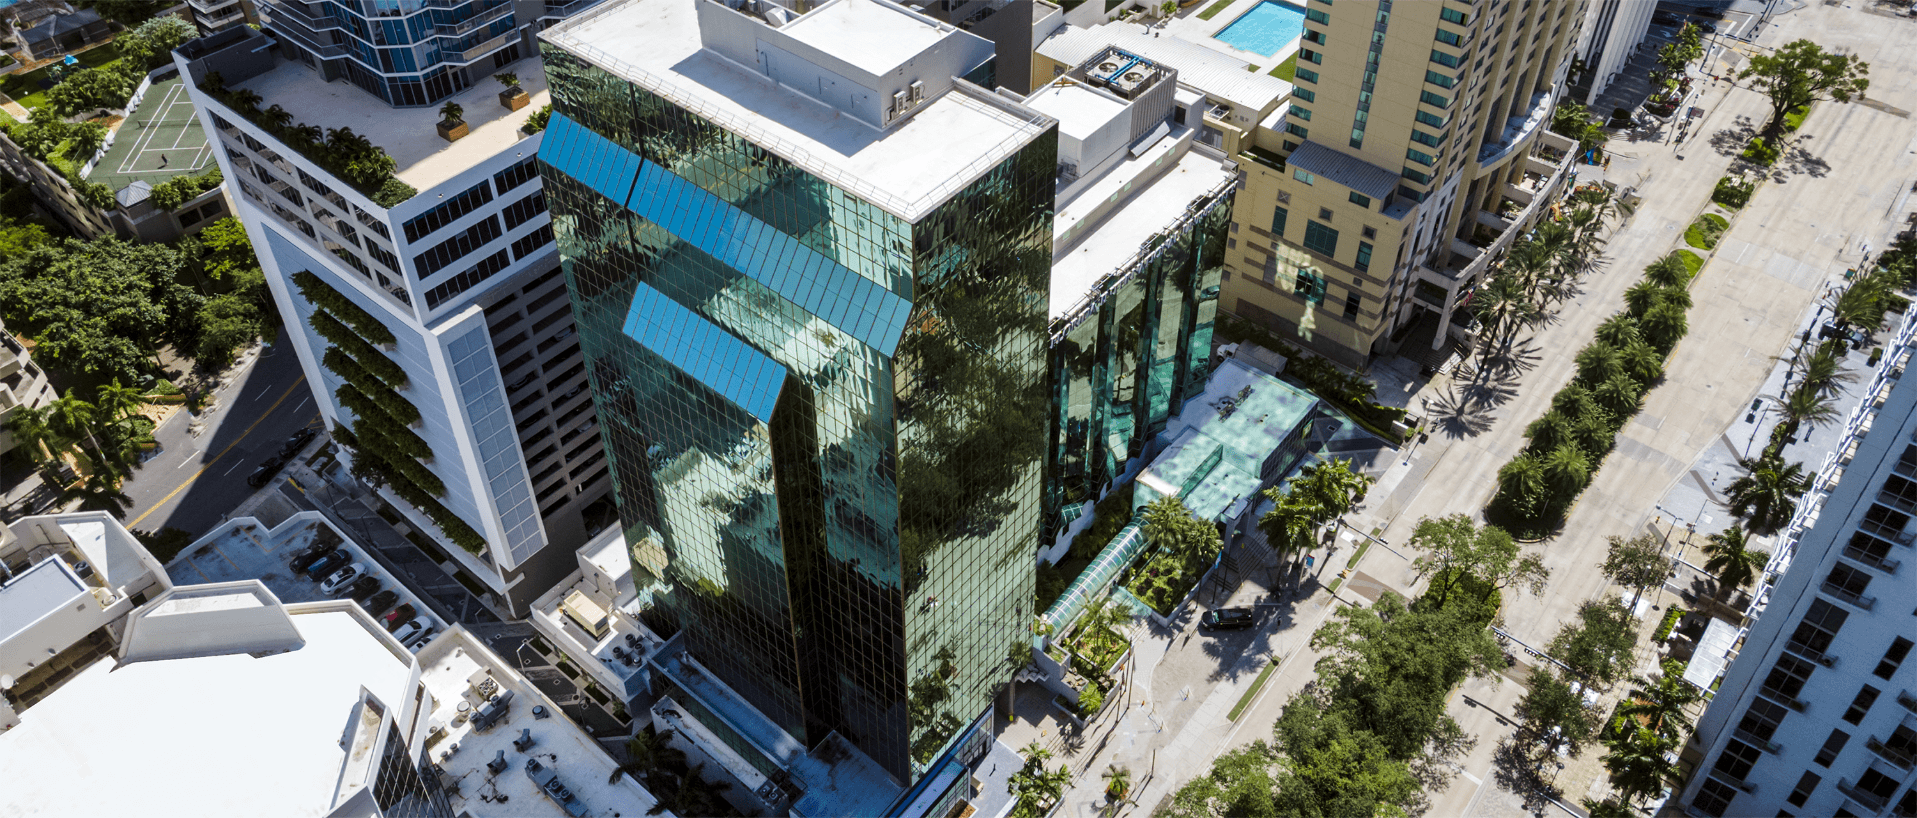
x=1266 y=29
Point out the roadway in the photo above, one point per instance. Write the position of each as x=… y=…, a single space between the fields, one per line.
x=196 y=480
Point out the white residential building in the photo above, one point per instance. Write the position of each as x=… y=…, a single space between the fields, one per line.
x=446 y=277
x=1817 y=713
x=1613 y=30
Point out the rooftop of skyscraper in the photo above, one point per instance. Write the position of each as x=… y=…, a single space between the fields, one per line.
x=907 y=135
x=408 y=134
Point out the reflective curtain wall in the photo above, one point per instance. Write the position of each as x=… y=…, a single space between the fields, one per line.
x=831 y=419
x=1127 y=367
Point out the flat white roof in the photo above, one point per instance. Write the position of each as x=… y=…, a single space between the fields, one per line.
x=450 y=665
x=1214 y=72
x=409 y=135
x=907 y=170
x=31 y=595
x=873 y=36
x=1080 y=111
x=214 y=735
x=1146 y=210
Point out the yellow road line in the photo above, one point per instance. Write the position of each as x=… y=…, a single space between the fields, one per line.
x=216 y=458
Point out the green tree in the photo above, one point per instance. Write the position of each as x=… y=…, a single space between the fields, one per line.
x=1241 y=783
x=1035 y=789
x=32 y=428
x=1389 y=668
x=1118 y=781
x=1823 y=369
x=1334 y=769
x=1618 y=332
x=1597 y=647
x=1453 y=547
x=1619 y=395
x=1637 y=563
x=1555 y=716
x=1504 y=308
x=1641 y=297
x=227 y=323
x=149 y=46
x=73 y=418
x=1801 y=73
x=1766 y=495
x=118 y=402
x=1171 y=526
x=1566 y=472
x=89 y=89
x=1665 y=324
x=1668 y=271
x=99 y=491
x=1597 y=363
x=1637 y=763
x=1730 y=561
x=650 y=758
x=1608 y=808
x=1808 y=405
x=1678 y=54
x=1550 y=430
x=1521 y=484
x=1319 y=494
x=226 y=249
x=99 y=309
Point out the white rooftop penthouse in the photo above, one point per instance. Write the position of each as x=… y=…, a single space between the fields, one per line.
x=865 y=94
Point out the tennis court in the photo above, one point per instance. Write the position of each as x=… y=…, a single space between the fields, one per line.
x=160 y=140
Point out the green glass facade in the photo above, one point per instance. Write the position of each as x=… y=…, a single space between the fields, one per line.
x=1125 y=362
x=832 y=419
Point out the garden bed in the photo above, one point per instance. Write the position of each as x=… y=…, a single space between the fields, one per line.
x=1705 y=232
x=1163 y=581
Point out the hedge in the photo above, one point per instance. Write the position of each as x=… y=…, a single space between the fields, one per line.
x=387 y=402
x=1352 y=394
x=1732 y=194
x=1669 y=624
x=322 y=295
x=347 y=367
x=362 y=353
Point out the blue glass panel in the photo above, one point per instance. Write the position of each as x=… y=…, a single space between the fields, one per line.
x=588 y=157
x=709 y=354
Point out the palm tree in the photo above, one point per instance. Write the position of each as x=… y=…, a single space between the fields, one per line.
x=1730 y=561
x=649 y=753
x=1598 y=363
x=1659 y=704
x=1619 y=395
x=119 y=402
x=1528 y=262
x=32 y=431
x=1641 y=362
x=1664 y=325
x=1618 y=331
x=1566 y=472
x=72 y=418
x=1521 y=480
x=1594 y=433
x=276 y=117
x=1667 y=271
x=1637 y=764
x=1766 y=496
x=1641 y=297
x=1551 y=430
x=1035 y=754
x=1504 y=308
x=1823 y=369
x=1118 y=781
x=1805 y=405
x=1860 y=304
x=1608 y=809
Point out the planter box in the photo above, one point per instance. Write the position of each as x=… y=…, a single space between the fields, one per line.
x=514 y=99
x=453 y=131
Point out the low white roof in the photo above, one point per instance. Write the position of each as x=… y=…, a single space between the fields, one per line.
x=876 y=37
x=1213 y=72
x=907 y=170
x=216 y=735
x=1147 y=209
x=1080 y=111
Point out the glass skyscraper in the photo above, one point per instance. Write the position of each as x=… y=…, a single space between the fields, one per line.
x=832 y=416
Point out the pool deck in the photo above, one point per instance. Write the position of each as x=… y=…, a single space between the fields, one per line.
x=1187 y=26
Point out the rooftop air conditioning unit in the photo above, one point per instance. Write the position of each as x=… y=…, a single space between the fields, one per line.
x=899 y=102
x=918 y=92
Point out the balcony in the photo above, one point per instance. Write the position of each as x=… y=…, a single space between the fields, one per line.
x=1807 y=652
x=1766 y=745
x=1849 y=597
x=467 y=26
x=487 y=47
x=212 y=6
x=1891 y=754
x=1517 y=129
x=1869 y=801
x=567 y=9
x=1888 y=566
x=1907 y=700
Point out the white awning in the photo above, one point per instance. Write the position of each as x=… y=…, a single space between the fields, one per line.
x=1712 y=652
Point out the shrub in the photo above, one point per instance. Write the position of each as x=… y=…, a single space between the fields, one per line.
x=165 y=387
x=1732 y=194
x=1352 y=394
x=1692 y=262
x=172 y=193
x=322 y=295
x=349 y=156
x=1705 y=232
x=1090 y=701
x=1794 y=119
x=1669 y=624
x=537 y=122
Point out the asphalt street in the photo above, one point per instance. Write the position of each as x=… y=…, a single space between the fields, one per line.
x=196 y=480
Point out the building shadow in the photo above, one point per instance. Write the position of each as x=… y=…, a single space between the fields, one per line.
x=1516 y=769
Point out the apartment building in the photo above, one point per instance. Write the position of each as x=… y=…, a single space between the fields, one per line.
x=1817 y=712
x=808 y=255
x=428 y=309
x=1406 y=159
x=22 y=383
x=214 y=15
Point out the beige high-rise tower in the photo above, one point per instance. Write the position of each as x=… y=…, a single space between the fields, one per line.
x=1409 y=156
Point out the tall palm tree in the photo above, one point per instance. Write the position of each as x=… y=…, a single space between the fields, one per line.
x=1619 y=395
x=1566 y=472
x=648 y=754
x=1594 y=433
x=1860 y=304
x=118 y=402
x=32 y=431
x=1659 y=703
x=1766 y=496
x=72 y=418
x=1731 y=561
x=1528 y=262
x=1503 y=307
x=1641 y=297
x=1806 y=405
x=1641 y=362
x=1551 y=430
x=1823 y=368
x=1637 y=764
x=1521 y=481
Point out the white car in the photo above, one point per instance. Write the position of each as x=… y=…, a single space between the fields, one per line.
x=343 y=578
x=420 y=639
x=411 y=629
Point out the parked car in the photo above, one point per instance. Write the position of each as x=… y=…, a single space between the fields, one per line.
x=421 y=638
x=379 y=602
x=399 y=616
x=1227 y=619
x=264 y=474
x=362 y=588
x=297 y=442
x=328 y=564
x=312 y=554
x=412 y=628
x=341 y=579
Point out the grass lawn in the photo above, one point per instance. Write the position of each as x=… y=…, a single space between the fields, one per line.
x=1795 y=118
x=1692 y=262
x=1257 y=685
x=1704 y=232
x=25 y=88
x=1288 y=69
x=1213 y=9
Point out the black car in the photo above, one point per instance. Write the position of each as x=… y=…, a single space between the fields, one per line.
x=328 y=564
x=1227 y=619
x=378 y=603
x=295 y=443
x=361 y=588
x=312 y=553
x=264 y=474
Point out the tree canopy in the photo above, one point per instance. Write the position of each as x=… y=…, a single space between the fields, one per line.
x=1637 y=563
x=101 y=308
x=1801 y=73
x=1453 y=548
x=1597 y=647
